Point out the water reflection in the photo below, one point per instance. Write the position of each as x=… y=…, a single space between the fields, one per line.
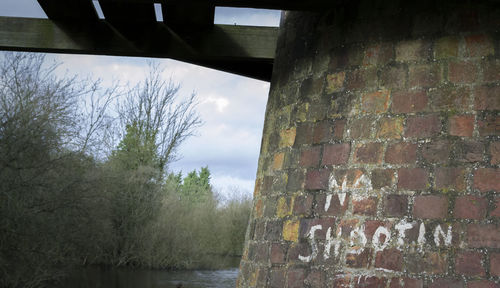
x=95 y=277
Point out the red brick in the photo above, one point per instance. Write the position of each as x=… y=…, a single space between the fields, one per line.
x=478 y=46
x=360 y=128
x=338 y=129
x=278 y=253
x=335 y=209
x=406 y=283
x=366 y=206
x=430 y=207
x=390 y=128
x=277 y=278
x=322 y=132
x=491 y=70
x=390 y=259
x=393 y=77
x=407 y=102
x=482 y=284
x=361 y=78
x=496 y=211
x=378 y=54
x=346 y=226
x=307 y=224
x=447 y=283
x=469 y=151
x=490 y=125
x=401 y=153
x=310 y=157
x=462 y=125
x=368 y=153
x=258 y=208
x=341 y=281
x=450 y=97
x=317 y=179
x=278 y=161
x=469 y=263
x=302 y=205
x=396 y=205
x=495 y=264
x=487 y=179
x=437 y=151
x=304 y=134
x=336 y=154
x=295 y=250
x=295 y=278
x=462 y=72
x=429 y=263
x=372 y=225
x=424 y=76
x=335 y=82
x=295 y=180
x=423 y=126
x=483 y=236
x=375 y=102
x=315 y=278
x=412 y=50
x=470 y=207
x=450 y=178
x=495 y=153
x=413 y=178
x=382 y=178
x=369 y=282
x=446 y=47
x=487 y=98
x=361 y=260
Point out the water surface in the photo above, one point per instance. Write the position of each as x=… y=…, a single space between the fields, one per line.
x=97 y=277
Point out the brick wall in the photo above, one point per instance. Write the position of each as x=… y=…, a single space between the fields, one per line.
x=380 y=155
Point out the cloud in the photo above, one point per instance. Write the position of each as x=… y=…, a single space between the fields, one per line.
x=220 y=102
x=247 y=16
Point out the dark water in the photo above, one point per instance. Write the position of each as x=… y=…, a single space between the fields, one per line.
x=95 y=277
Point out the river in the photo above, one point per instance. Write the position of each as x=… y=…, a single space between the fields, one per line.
x=96 y=277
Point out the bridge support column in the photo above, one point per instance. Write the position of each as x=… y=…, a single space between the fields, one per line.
x=379 y=164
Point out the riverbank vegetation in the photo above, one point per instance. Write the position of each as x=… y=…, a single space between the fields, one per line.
x=70 y=195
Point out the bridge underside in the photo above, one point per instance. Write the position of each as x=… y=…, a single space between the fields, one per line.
x=130 y=28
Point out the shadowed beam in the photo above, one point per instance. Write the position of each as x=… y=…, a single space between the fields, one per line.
x=309 y=5
x=225 y=47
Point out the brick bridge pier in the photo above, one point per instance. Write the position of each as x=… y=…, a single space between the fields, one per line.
x=379 y=164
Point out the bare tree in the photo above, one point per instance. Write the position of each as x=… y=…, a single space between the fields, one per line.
x=161 y=119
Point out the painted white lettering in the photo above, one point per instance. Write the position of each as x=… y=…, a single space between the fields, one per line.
x=329 y=241
x=328 y=202
x=314 y=245
x=402 y=226
x=381 y=230
x=358 y=233
x=446 y=237
x=421 y=236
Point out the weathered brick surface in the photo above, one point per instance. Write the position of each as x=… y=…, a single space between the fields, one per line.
x=413 y=178
x=469 y=263
x=335 y=154
x=409 y=101
x=483 y=235
x=379 y=159
x=461 y=125
x=470 y=207
x=401 y=153
x=430 y=207
x=495 y=264
x=423 y=126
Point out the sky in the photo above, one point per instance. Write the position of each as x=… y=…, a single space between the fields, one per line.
x=231 y=107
